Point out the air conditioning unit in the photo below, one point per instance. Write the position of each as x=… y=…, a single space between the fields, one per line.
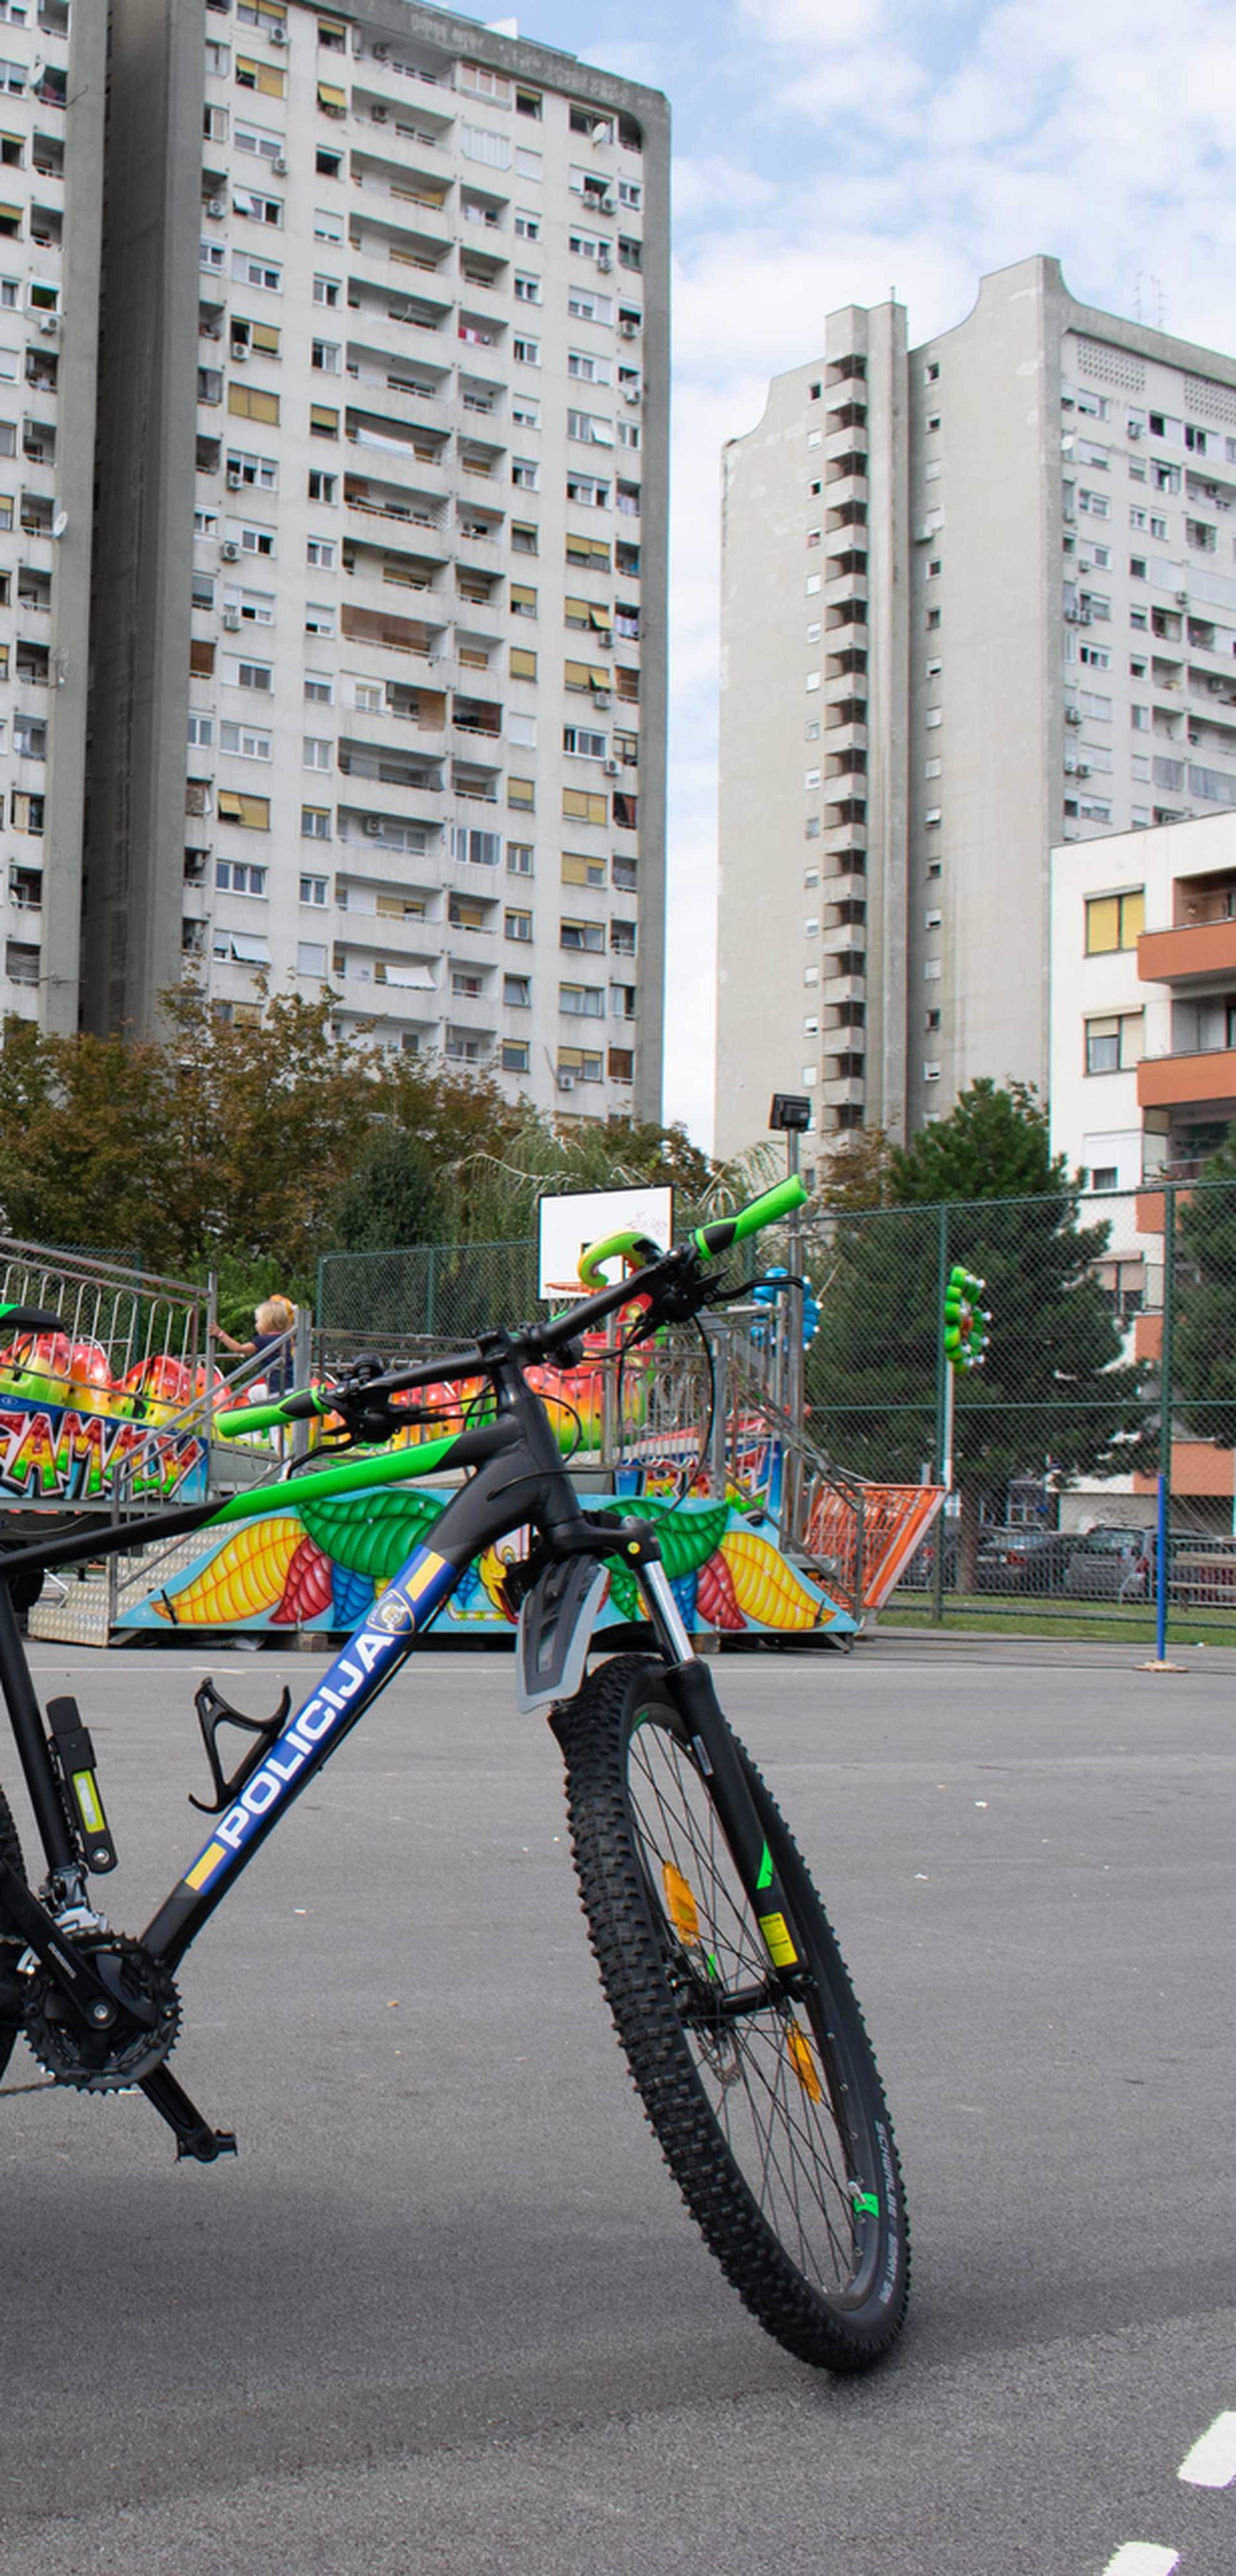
x=380 y=53
x=49 y=324
x=605 y=260
x=1182 y=599
x=1073 y=715
x=613 y=769
x=629 y=330
x=229 y=550
x=631 y=393
x=216 y=207
x=1071 y=616
x=378 y=115
x=280 y=167
x=277 y=35
x=566 y=1081
x=371 y=825
x=602 y=697
x=231 y=619
x=608 y=205
x=1134 y=428
x=1070 y=765
x=240 y=355
x=234 y=479
x=1081 y=768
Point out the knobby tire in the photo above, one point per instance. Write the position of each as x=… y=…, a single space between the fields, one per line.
x=772 y=2120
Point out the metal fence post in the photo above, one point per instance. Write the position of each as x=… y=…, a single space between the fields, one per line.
x=942 y=1396
x=1166 y=1375
x=429 y=1285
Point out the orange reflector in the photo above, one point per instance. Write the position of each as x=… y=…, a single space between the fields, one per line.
x=802 y=2059
x=680 y=1903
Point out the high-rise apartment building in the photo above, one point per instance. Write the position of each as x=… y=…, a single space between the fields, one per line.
x=979 y=598
x=52 y=92
x=379 y=633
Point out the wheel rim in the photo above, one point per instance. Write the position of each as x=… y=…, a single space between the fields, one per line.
x=781 y=2101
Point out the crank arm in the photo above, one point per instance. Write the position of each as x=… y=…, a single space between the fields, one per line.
x=194 y=2136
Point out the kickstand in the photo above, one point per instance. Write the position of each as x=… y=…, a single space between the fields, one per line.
x=193 y=2137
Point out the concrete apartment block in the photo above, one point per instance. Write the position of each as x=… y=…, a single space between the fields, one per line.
x=52 y=98
x=380 y=608
x=979 y=597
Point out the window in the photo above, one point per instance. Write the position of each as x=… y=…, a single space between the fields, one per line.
x=315 y=823
x=249 y=675
x=319 y=618
x=323 y=487
x=261 y=471
x=1114 y=1045
x=245 y=742
x=252 y=813
x=260 y=208
x=527 y=288
x=237 y=876
x=590 y=428
x=320 y=688
x=327 y=226
x=323 y=422
x=266 y=78
x=321 y=552
x=582 y=934
x=326 y=356
x=201 y=732
x=313 y=890
x=526 y=351
x=522 y=664
x=583 y=744
x=517 y=992
x=525 y=411
x=477 y=849
x=581 y=870
x=218 y=60
x=525 y=473
x=585 y=306
x=582 y=1001
x=1114 y=921
x=521 y=792
x=317 y=752
x=252 y=402
x=518 y=926
x=310 y=958
x=1139 y=718
x=580 y=805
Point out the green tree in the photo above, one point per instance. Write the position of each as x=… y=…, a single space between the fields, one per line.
x=1204 y=1369
x=980 y=1187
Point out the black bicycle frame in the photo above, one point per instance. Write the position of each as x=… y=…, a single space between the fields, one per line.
x=518 y=1480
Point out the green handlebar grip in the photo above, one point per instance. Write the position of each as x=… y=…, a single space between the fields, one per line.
x=266 y=1417
x=768 y=1210
x=597 y=1253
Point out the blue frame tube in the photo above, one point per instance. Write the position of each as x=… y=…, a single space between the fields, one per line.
x=1161 y=1572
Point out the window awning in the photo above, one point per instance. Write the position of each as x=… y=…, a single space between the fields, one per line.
x=248 y=950
x=411 y=979
x=329 y=96
x=601 y=619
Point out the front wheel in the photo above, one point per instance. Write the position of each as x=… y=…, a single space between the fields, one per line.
x=10 y=1948
x=760 y=2085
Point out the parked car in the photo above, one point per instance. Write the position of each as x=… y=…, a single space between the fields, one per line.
x=1025 y=1561
x=1110 y=1564
x=1201 y=1571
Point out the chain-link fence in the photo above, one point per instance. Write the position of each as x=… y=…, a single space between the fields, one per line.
x=1111 y=1362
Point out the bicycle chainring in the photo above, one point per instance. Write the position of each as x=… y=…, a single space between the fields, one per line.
x=105 y=2061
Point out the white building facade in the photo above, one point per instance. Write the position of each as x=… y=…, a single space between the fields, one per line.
x=52 y=96
x=979 y=598
x=380 y=617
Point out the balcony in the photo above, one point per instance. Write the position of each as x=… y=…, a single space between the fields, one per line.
x=1187 y=954
x=1205 y=1081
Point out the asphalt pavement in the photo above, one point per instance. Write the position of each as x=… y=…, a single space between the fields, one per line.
x=444 y=2312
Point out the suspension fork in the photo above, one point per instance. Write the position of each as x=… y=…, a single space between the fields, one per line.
x=690 y=1687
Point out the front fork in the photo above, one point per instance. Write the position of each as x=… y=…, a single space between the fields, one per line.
x=690 y=1686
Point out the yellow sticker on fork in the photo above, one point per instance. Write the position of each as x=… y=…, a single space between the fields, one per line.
x=781 y=1949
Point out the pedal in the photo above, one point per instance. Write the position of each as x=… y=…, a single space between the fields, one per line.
x=73 y=1754
x=195 y=2138
x=213 y=1711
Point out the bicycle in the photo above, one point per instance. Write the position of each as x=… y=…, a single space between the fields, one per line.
x=722 y=1973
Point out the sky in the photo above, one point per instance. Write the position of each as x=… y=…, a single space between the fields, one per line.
x=831 y=152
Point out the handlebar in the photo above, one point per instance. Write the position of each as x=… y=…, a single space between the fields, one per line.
x=539 y=1340
x=707 y=1240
